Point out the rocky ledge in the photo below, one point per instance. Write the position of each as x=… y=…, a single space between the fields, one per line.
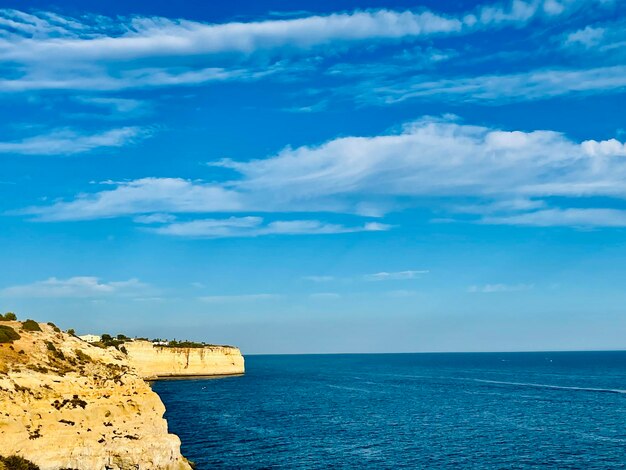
x=153 y=362
x=65 y=404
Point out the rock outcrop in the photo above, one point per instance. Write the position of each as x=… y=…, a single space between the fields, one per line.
x=160 y=361
x=67 y=404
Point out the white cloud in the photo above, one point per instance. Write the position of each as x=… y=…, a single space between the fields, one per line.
x=395 y=276
x=68 y=141
x=238 y=298
x=606 y=40
x=119 y=106
x=504 y=205
x=604 y=148
x=532 y=85
x=588 y=37
x=496 y=288
x=79 y=287
x=564 y=217
x=47 y=51
x=467 y=167
x=254 y=227
x=156 y=218
x=432 y=158
x=143 y=196
x=162 y=52
x=161 y=37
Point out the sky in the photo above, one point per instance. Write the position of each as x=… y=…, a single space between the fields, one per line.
x=317 y=177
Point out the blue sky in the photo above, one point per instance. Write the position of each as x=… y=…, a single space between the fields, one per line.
x=295 y=177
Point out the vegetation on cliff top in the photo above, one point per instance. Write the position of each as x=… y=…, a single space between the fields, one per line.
x=15 y=462
x=8 y=334
x=31 y=325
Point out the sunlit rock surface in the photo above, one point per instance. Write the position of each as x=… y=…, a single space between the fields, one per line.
x=159 y=361
x=67 y=404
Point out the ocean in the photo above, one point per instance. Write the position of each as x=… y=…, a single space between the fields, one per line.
x=563 y=410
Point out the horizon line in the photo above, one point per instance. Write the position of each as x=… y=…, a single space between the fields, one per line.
x=440 y=352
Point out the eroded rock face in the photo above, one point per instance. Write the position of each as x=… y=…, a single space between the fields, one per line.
x=155 y=361
x=67 y=404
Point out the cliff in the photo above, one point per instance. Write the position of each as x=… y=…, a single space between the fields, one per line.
x=161 y=361
x=67 y=404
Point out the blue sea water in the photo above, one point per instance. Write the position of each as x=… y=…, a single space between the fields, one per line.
x=493 y=410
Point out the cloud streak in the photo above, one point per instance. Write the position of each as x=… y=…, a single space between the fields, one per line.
x=498 y=288
x=75 y=287
x=69 y=141
x=494 y=89
x=504 y=174
x=395 y=276
x=572 y=217
x=45 y=51
x=238 y=298
x=255 y=227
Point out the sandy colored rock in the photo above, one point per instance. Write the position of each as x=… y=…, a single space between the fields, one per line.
x=67 y=404
x=159 y=361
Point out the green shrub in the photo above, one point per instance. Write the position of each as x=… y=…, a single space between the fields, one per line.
x=8 y=334
x=9 y=316
x=31 y=325
x=82 y=357
x=54 y=327
x=71 y=332
x=15 y=462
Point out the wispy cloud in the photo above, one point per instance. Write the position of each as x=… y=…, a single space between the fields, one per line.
x=143 y=196
x=144 y=52
x=79 y=287
x=117 y=105
x=156 y=218
x=238 y=298
x=496 y=288
x=255 y=227
x=505 y=172
x=69 y=141
x=608 y=39
x=563 y=217
x=47 y=51
x=494 y=89
x=395 y=276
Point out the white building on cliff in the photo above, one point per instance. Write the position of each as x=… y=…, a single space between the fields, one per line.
x=91 y=338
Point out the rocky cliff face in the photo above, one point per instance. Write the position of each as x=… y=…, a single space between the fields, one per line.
x=67 y=404
x=158 y=361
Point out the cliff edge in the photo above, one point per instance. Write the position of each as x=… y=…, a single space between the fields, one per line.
x=163 y=361
x=67 y=404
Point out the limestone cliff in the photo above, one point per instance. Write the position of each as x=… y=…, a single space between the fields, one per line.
x=160 y=361
x=67 y=404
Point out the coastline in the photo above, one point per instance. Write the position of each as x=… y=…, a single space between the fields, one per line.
x=55 y=388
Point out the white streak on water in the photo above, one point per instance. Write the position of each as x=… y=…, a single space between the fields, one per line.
x=556 y=387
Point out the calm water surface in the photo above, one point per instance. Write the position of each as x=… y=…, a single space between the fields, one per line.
x=513 y=410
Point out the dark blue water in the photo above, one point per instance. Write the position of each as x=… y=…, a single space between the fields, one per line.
x=516 y=410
